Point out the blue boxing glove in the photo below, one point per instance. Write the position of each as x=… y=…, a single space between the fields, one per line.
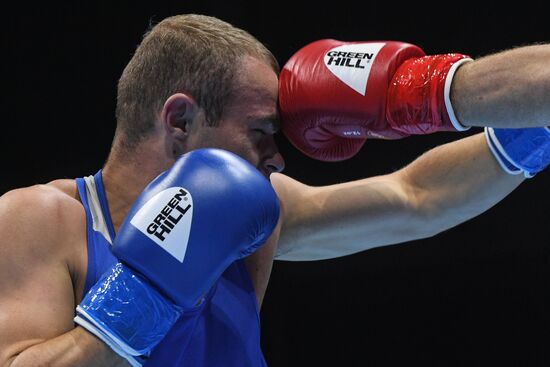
x=520 y=151
x=187 y=226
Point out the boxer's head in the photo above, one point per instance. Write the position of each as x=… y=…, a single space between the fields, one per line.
x=206 y=73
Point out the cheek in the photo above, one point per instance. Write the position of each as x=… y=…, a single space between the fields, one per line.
x=240 y=142
x=250 y=153
x=243 y=147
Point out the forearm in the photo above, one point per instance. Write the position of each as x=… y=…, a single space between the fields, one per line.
x=455 y=182
x=74 y=348
x=508 y=89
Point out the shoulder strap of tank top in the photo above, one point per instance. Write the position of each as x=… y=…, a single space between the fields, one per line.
x=97 y=204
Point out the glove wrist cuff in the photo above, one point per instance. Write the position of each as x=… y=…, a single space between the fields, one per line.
x=447 y=95
x=522 y=150
x=126 y=312
x=504 y=162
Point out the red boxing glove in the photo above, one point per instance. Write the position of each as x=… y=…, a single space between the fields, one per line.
x=333 y=95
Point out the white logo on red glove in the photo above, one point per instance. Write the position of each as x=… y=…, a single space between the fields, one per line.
x=352 y=63
x=166 y=219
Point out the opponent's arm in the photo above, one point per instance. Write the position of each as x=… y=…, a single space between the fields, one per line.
x=509 y=89
x=325 y=115
x=333 y=95
x=36 y=288
x=441 y=189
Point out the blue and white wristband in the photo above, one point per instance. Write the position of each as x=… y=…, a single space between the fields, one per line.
x=520 y=151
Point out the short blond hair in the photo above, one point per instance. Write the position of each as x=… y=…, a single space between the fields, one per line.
x=191 y=53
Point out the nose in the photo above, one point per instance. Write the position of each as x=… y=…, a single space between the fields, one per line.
x=274 y=161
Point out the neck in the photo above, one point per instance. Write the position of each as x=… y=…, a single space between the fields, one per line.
x=124 y=179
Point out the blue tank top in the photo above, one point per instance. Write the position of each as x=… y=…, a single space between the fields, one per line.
x=226 y=331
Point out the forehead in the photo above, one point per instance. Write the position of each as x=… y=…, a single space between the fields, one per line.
x=256 y=86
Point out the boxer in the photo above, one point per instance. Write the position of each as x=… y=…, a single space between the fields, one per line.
x=196 y=82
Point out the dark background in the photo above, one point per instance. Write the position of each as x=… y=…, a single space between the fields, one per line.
x=473 y=295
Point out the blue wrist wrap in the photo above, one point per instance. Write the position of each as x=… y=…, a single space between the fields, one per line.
x=125 y=310
x=522 y=150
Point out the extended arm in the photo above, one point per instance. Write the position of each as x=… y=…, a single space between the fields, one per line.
x=506 y=89
x=441 y=189
x=329 y=110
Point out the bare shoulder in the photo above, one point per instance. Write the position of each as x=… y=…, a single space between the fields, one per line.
x=43 y=220
x=296 y=199
x=40 y=209
x=65 y=186
x=43 y=263
x=298 y=204
x=289 y=191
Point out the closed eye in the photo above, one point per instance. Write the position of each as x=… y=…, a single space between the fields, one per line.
x=261 y=131
x=265 y=126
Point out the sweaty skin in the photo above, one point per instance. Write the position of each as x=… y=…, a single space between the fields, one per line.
x=43 y=255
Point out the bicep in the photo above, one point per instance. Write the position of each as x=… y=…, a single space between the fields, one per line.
x=338 y=220
x=36 y=291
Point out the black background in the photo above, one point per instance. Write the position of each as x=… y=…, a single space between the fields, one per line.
x=473 y=295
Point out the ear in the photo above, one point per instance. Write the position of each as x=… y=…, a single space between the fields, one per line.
x=177 y=116
x=178 y=112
